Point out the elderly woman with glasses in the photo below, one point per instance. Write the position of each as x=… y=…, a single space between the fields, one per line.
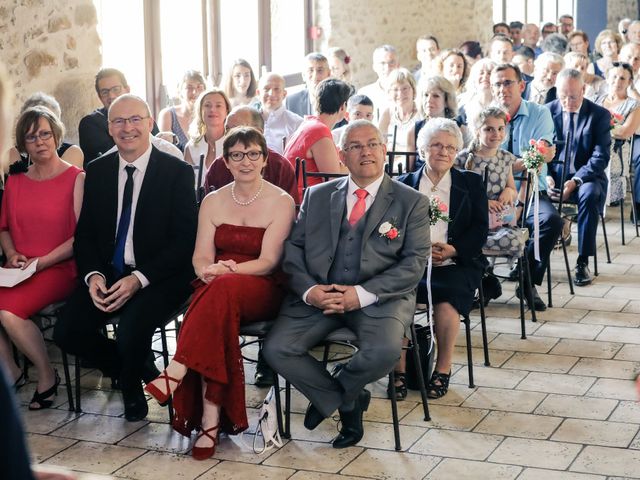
x=241 y=232
x=459 y=227
x=40 y=208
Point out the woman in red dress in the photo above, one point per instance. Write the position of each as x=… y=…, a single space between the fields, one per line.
x=241 y=232
x=40 y=208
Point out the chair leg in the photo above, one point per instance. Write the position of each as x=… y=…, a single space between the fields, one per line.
x=529 y=281
x=566 y=265
x=467 y=327
x=287 y=411
x=549 y=295
x=276 y=387
x=595 y=263
x=67 y=380
x=78 y=392
x=483 y=325
x=634 y=212
x=606 y=240
x=325 y=355
x=394 y=409
x=622 y=220
x=165 y=361
x=523 y=334
x=415 y=350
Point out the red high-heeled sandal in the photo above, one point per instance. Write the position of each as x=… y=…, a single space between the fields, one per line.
x=159 y=395
x=202 y=453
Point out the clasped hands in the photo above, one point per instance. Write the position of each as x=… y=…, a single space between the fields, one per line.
x=441 y=252
x=216 y=269
x=111 y=299
x=334 y=298
x=554 y=193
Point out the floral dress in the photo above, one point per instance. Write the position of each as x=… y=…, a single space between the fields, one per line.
x=505 y=240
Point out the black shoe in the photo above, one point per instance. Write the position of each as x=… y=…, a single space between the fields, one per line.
x=401 y=387
x=352 y=429
x=313 y=417
x=514 y=273
x=149 y=371
x=264 y=374
x=135 y=404
x=582 y=275
x=491 y=288
x=538 y=303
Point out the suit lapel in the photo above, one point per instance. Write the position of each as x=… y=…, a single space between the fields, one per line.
x=147 y=187
x=336 y=211
x=379 y=207
x=111 y=202
x=457 y=199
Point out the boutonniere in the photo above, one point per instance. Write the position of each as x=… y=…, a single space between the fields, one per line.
x=437 y=210
x=389 y=230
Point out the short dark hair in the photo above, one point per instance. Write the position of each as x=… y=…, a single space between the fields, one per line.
x=509 y=66
x=359 y=100
x=471 y=48
x=331 y=94
x=110 y=72
x=246 y=136
x=500 y=24
x=526 y=52
x=516 y=24
x=29 y=121
x=555 y=43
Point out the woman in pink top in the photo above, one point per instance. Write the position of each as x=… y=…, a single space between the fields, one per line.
x=312 y=140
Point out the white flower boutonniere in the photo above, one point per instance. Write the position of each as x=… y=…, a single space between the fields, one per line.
x=389 y=231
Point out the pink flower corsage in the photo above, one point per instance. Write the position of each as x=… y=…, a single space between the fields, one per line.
x=389 y=231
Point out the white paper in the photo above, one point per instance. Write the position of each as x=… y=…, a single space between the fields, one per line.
x=9 y=277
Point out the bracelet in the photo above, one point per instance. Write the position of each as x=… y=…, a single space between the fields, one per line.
x=518 y=204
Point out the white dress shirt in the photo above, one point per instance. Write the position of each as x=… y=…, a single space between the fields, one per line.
x=365 y=297
x=439 y=231
x=280 y=123
x=201 y=147
x=140 y=165
x=161 y=145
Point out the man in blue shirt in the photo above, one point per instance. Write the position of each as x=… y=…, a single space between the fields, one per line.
x=529 y=121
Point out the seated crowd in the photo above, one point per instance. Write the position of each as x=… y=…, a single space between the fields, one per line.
x=122 y=233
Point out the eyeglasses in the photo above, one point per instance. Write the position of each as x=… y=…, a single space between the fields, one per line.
x=135 y=120
x=237 y=157
x=357 y=147
x=505 y=83
x=46 y=135
x=104 y=92
x=450 y=149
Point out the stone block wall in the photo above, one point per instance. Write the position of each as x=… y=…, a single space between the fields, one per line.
x=361 y=26
x=619 y=9
x=52 y=46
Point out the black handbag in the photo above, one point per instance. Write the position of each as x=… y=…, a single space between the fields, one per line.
x=423 y=336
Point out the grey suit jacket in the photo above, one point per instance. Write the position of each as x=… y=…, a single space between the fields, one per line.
x=391 y=269
x=299 y=103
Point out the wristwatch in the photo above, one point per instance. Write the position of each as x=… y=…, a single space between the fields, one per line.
x=577 y=181
x=518 y=204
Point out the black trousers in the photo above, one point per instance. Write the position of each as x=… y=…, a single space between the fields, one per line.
x=550 y=230
x=78 y=331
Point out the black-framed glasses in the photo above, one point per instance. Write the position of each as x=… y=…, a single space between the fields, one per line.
x=357 y=147
x=504 y=83
x=104 y=92
x=253 y=155
x=45 y=135
x=135 y=120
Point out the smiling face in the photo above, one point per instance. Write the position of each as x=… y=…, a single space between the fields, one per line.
x=132 y=140
x=110 y=88
x=384 y=63
x=214 y=110
x=190 y=91
x=41 y=149
x=618 y=80
x=366 y=163
x=492 y=133
x=426 y=51
x=336 y=66
x=271 y=92
x=440 y=153
x=402 y=94
x=453 y=69
x=545 y=73
x=245 y=169
x=630 y=54
x=507 y=89
x=315 y=73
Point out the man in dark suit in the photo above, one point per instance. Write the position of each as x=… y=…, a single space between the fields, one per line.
x=93 y=129
x=541 y=89
x=354 y=256
x=316 y=69
x=133 y=247
x=584 y=128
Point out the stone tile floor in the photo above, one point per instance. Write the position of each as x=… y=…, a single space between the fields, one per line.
x=560 y=405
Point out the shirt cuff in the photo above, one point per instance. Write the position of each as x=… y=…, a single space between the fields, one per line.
x=143 y=280
x=88 y=276
x=305 y=294
x=365 y=297
x=578 y=181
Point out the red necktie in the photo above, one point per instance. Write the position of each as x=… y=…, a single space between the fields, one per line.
x=360 y=207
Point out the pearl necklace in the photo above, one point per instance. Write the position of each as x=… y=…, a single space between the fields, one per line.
x=251 y=200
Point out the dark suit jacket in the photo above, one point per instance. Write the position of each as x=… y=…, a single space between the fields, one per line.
x=299 y=103
x=593 y=142
x=165 y=222
x=391 y=269
x=550 y=97
x=469 y=214
x=278 y=171
x=93 y=131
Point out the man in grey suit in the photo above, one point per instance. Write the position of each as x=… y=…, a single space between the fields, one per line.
x=354 y=257
x=316 y=69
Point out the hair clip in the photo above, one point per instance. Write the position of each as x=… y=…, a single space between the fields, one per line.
x=347 y=59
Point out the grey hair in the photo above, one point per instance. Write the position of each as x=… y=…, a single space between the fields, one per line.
x=569 y=73
x=351 y=126
x=555 y=43
x=131 y=96
x=545 y=58
x=385 y=48
x=434 y=126
x=42 y=99
x=256 y=117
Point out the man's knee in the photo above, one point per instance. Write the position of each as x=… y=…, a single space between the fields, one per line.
x=590 y=193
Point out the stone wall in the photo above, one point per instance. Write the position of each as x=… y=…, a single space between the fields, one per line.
x=52 y=46
x=359 y=27
x=619 y=9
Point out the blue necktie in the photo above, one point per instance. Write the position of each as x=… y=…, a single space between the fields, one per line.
x=123 y=224
x=570 y=149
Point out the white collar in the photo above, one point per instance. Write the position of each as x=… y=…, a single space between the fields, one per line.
x=278 y=112
x=444 y=184
x=372 y=188
x=140 y=163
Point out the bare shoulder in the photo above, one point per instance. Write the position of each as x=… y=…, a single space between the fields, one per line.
x=277 y=196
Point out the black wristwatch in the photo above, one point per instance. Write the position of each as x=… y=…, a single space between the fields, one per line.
x=518 y=204
x=577 y=181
